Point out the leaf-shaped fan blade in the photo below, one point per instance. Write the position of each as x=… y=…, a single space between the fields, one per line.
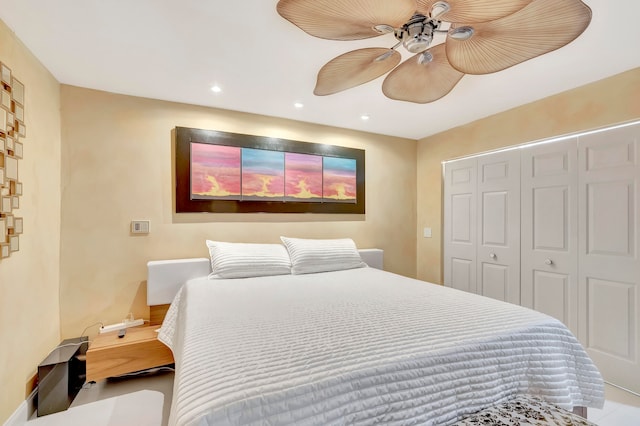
x=355 y=68
x=424 y=82
x=541 y=27
x=472 y=11
x=345 y=19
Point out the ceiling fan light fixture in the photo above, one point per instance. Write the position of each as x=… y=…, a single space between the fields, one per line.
x=418 y=43
x=461 y=33
x=417 y=34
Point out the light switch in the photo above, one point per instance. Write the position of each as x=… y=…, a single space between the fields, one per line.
x=139 y=226
x=427 y=232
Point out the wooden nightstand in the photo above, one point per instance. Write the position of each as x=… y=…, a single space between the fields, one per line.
x=139 y=349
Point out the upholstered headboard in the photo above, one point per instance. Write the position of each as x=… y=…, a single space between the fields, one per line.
x=165 y=277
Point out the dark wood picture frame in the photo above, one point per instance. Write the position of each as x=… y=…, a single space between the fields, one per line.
x=187 y=203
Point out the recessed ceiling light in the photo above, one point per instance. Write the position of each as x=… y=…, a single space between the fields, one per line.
x=298 y=105
x=216 y=89
x=364 y=117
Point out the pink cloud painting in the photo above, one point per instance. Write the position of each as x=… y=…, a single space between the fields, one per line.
x=215 y=172
x=303 y=177
x=339 y=179
x=262 y=174
x=223 y=172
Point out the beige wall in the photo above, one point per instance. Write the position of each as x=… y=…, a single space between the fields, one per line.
x=117 y=166
x=609 y=101
x=29 y=279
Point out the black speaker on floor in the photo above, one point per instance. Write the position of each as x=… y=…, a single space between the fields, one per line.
x=61 y=375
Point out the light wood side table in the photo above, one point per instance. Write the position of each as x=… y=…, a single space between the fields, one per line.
x=109 y=356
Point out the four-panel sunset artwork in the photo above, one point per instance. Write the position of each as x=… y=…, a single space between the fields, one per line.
x=223 y=172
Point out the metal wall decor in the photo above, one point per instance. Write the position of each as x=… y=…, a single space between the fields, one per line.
x=12 y=129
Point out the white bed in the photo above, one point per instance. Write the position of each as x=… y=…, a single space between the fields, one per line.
x=358 y=347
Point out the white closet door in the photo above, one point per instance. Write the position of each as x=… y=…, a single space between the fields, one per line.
x=549 y=194
x=498 y=248
x=609 y=277
x=460 y=225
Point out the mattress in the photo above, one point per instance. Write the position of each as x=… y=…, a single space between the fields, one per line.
x=361 y=347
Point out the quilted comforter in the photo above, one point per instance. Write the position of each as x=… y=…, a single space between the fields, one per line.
x=361 y=347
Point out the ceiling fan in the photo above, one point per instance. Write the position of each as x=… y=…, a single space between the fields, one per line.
x=482 y=37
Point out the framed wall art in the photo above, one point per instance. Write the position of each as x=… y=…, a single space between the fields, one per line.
x=220 y=172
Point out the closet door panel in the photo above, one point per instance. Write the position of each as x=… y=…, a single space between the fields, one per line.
x=462 y=274
x=609 y=304
x=610 y=203
x=460 y=225
x=461 y=218
x=609 y=278
x=549 y=255
x=551 y=294
x=495 y=211
x=495 y=279
x=550 y=218
x=498 y=248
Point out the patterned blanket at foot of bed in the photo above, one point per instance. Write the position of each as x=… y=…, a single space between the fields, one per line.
x=524 y=410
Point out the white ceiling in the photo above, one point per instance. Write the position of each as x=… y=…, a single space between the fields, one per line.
x=176 y=50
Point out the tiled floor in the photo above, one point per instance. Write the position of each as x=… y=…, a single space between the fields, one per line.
x=161 y=382
x=621 y=408
x=92 y=392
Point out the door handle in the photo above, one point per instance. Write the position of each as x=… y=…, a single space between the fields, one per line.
x=548 y=262
x=493 y=256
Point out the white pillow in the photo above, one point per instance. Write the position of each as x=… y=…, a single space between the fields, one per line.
x=243 y=260
x=310 y=256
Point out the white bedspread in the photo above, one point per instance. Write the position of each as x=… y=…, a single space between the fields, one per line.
x=361 y=347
